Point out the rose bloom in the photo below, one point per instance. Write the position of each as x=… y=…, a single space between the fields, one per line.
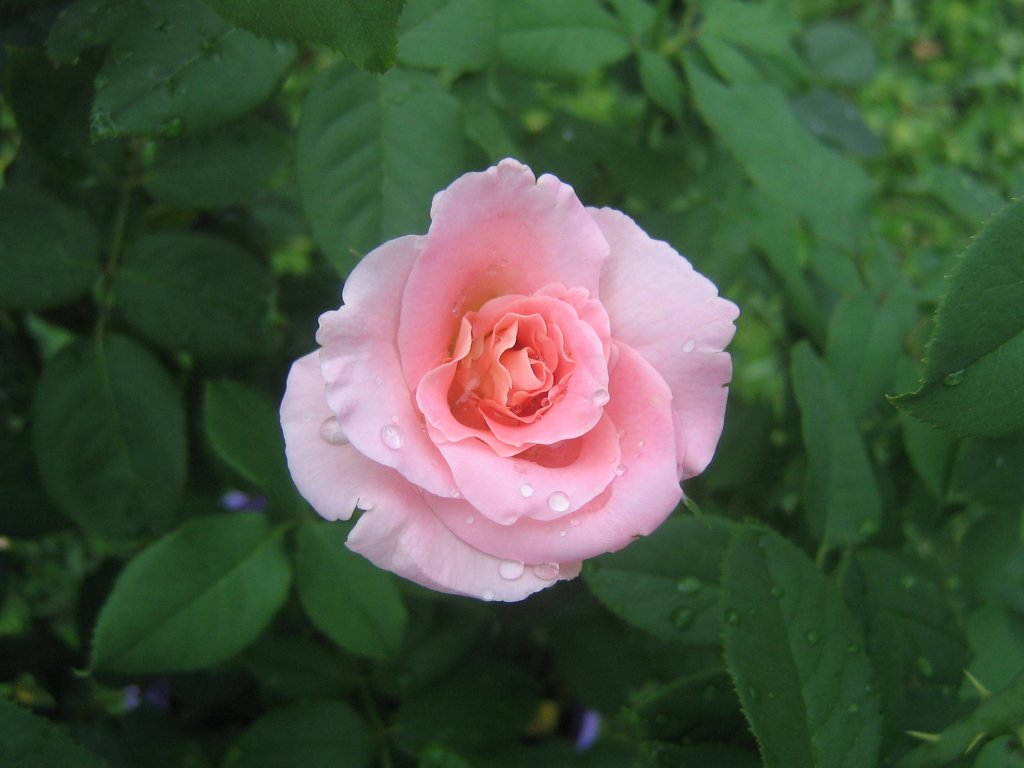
x=520 y=389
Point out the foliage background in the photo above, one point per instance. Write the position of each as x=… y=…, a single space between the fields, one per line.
x=185 y=186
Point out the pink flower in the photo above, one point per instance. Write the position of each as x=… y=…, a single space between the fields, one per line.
x=520 y=389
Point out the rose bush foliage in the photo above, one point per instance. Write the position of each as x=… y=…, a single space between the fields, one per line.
x=520 y=389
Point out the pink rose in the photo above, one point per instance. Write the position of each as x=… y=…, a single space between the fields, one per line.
x=520 y=389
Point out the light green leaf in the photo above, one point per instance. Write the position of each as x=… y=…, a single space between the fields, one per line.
x=108 y=431
x=453 y=35
x=175 y=66
x=229 y=166
x=838 y=52
x=837 y=121
x=966 y=196
x=667 y=583
x=349 y=599
x=372 y=152
x=842 y=501
x=315 y=734
x=49 y=251
x=738 y=38
x=191 y=291
x=30 y=741
x=563 y=40
x=363 y=30
x=661 y=82
x=244 y=428
x=796 y=657
x=783 y=158
x=974 y=367
x=194 y=598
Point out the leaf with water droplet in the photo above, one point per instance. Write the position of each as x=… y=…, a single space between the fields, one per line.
x=806 y=633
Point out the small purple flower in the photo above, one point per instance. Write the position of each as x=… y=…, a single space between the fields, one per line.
x=240 y=501
x=589 y=729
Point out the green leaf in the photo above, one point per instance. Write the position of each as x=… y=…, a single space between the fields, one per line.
x=245 y=429
x=315 y=734
x=453 y=35
x=699 y=707
x=175 y=66
x=667 y=583
x=865 y=345
x=661 y=82
x=191 y=291
x=298 y=667
x=49 y=251
x=29 y=741
x=783 y=158
x=194 y=598
x=986 y=470
x=842 y=501
x=229 y=166
x=838 y=52
x=349 y=599
x=967 y=197
x=108 y=432
x=372 y=152
x=88 y=24
x=974 y=368
x=563 y=40
x=837 y=121
x=362 y=30
x=739 y=38
x=796 y=657
x=929 y=449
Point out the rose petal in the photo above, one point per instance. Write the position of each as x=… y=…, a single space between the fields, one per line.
x=637 y=502
x=673 y=316
x=365 y=386
x=493 y=233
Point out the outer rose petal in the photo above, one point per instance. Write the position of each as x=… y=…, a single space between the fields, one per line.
x=365 y=386
x=493 y=233
x=674 y=317
x=636 y=503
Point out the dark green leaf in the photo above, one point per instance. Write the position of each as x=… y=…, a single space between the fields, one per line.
x=108 y=432
x=454 y=35
x=700 y=707
x=797 y=658
x=372 y=152
x=49 y=251
x=194 y=598
x=559 y=40
x=88 y=24
x=186 y=290
x=974 y=368
x=298 y=667
x=667 y=583
x=226 y=167
x=838 y=52
x=986 y=471
x=661 y=81
x=837 y=121
x=245 y=429
x=992 y=563
x=783 y=158
x=176 y=67
x=30 y=741
x=316 y=734
x=842 y=501
x=363 y=30
x=996 y=637
x=349 y=599
x=967 y=197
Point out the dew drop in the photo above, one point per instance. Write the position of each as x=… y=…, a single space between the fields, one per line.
x=511 y=569
x=688 y=585
x=813 y=637
x=732 y=617
x=853 y=648
x=455 y=493
x=391 y=436
x=601 y=397
x=682 y=618
x=925 y=666
x=562 y=532
x=558 y=502
x=574 y=522
x=488 y=595
x=853 y=709
x=470 y=520
x=689 y=346
x=777 y=592
x=953 y=379
x=526 y=490
x=546 y=571
x=754 y=694
x=331 y=432
x=908 y=581
x=621 y=470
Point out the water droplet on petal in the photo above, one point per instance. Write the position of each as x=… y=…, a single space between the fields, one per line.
x=331 y=432
x=688 y=585
x=621 y=470
x=601 y=397
x=511 y=569
x=574 y=522
x=526 y=490
x=470 y=520
x=562 y=532
x=689 y=346
x=558 y=502
x=488 y=595
x=391 y=436
x=952 y=379
x=365 y=505
x=682 y=618
x=546 y=571
x=455 y=493
x=813 y=637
